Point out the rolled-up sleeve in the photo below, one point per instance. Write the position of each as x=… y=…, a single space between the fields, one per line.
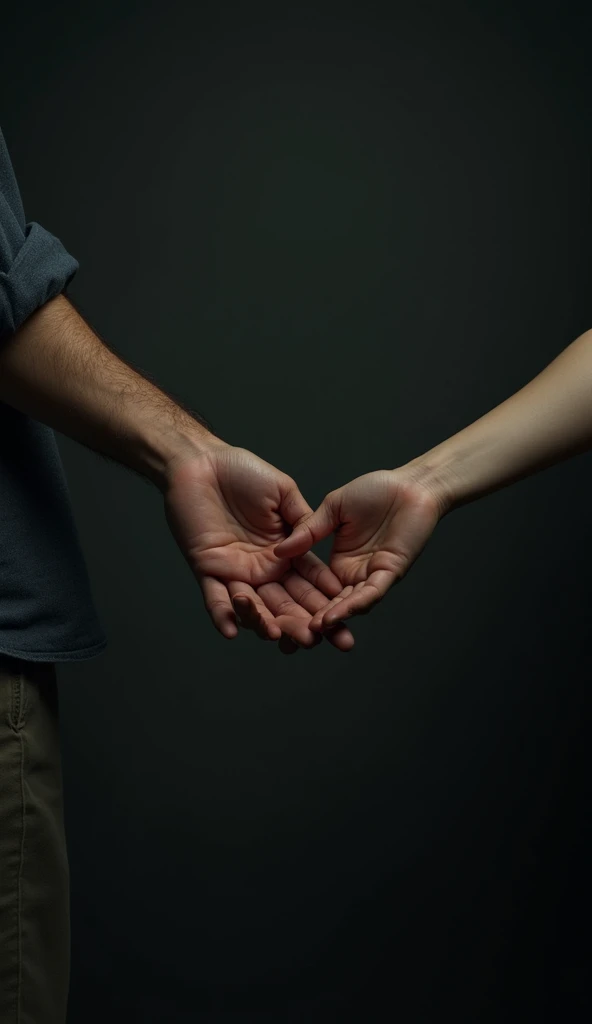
x=34 y=265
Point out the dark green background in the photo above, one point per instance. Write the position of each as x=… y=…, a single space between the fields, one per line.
x=341 y=236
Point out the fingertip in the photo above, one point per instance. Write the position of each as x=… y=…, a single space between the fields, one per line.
x=306 y=643
x=333 y=620
x=297 y=543
x=341 y=637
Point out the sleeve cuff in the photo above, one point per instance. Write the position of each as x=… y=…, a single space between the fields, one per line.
x=42 y=268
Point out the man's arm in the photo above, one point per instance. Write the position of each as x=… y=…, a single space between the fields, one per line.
x=226 y=508
x=57 y=370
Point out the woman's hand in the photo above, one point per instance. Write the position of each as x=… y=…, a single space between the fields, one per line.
x=382 y=521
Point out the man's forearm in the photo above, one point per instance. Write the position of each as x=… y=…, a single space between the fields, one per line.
x=56 y=370
x=548 y=420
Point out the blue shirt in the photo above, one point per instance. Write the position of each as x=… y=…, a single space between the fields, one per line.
x=47 y=611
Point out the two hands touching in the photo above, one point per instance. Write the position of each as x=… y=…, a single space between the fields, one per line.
x=246 y=532
x=242 y=525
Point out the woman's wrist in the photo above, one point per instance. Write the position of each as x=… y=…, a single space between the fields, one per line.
x=479 y=460
x=431 y=472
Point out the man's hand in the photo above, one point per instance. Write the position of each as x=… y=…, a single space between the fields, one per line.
x=228 y=509
x=382 y=521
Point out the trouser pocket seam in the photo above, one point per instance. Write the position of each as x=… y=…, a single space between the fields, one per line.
x=18 y=704
x=15 y=943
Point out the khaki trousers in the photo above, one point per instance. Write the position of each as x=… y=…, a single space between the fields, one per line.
x=34 y=879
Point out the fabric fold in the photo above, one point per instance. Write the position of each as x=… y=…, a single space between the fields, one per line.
x=34 y=265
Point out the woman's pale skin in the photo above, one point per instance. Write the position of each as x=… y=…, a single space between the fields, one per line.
x=383 y=520
x=242 y=525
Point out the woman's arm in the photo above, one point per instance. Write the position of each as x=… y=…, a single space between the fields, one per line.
x=384 y=519
x=548 y=420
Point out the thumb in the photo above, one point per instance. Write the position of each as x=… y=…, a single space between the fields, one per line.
x=310 y=528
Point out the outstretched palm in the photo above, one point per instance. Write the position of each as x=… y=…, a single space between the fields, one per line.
x=228 y=509
x=382 y=522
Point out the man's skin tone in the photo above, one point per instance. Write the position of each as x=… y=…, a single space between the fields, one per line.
x=227 y=509
x=231 y=513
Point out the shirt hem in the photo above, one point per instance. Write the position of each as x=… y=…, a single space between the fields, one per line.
x=78 y=654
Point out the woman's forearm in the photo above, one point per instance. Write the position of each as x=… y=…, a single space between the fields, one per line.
x=547 y=421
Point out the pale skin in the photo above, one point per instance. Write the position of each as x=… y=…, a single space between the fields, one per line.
x=241 y=524
x=383 y=520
